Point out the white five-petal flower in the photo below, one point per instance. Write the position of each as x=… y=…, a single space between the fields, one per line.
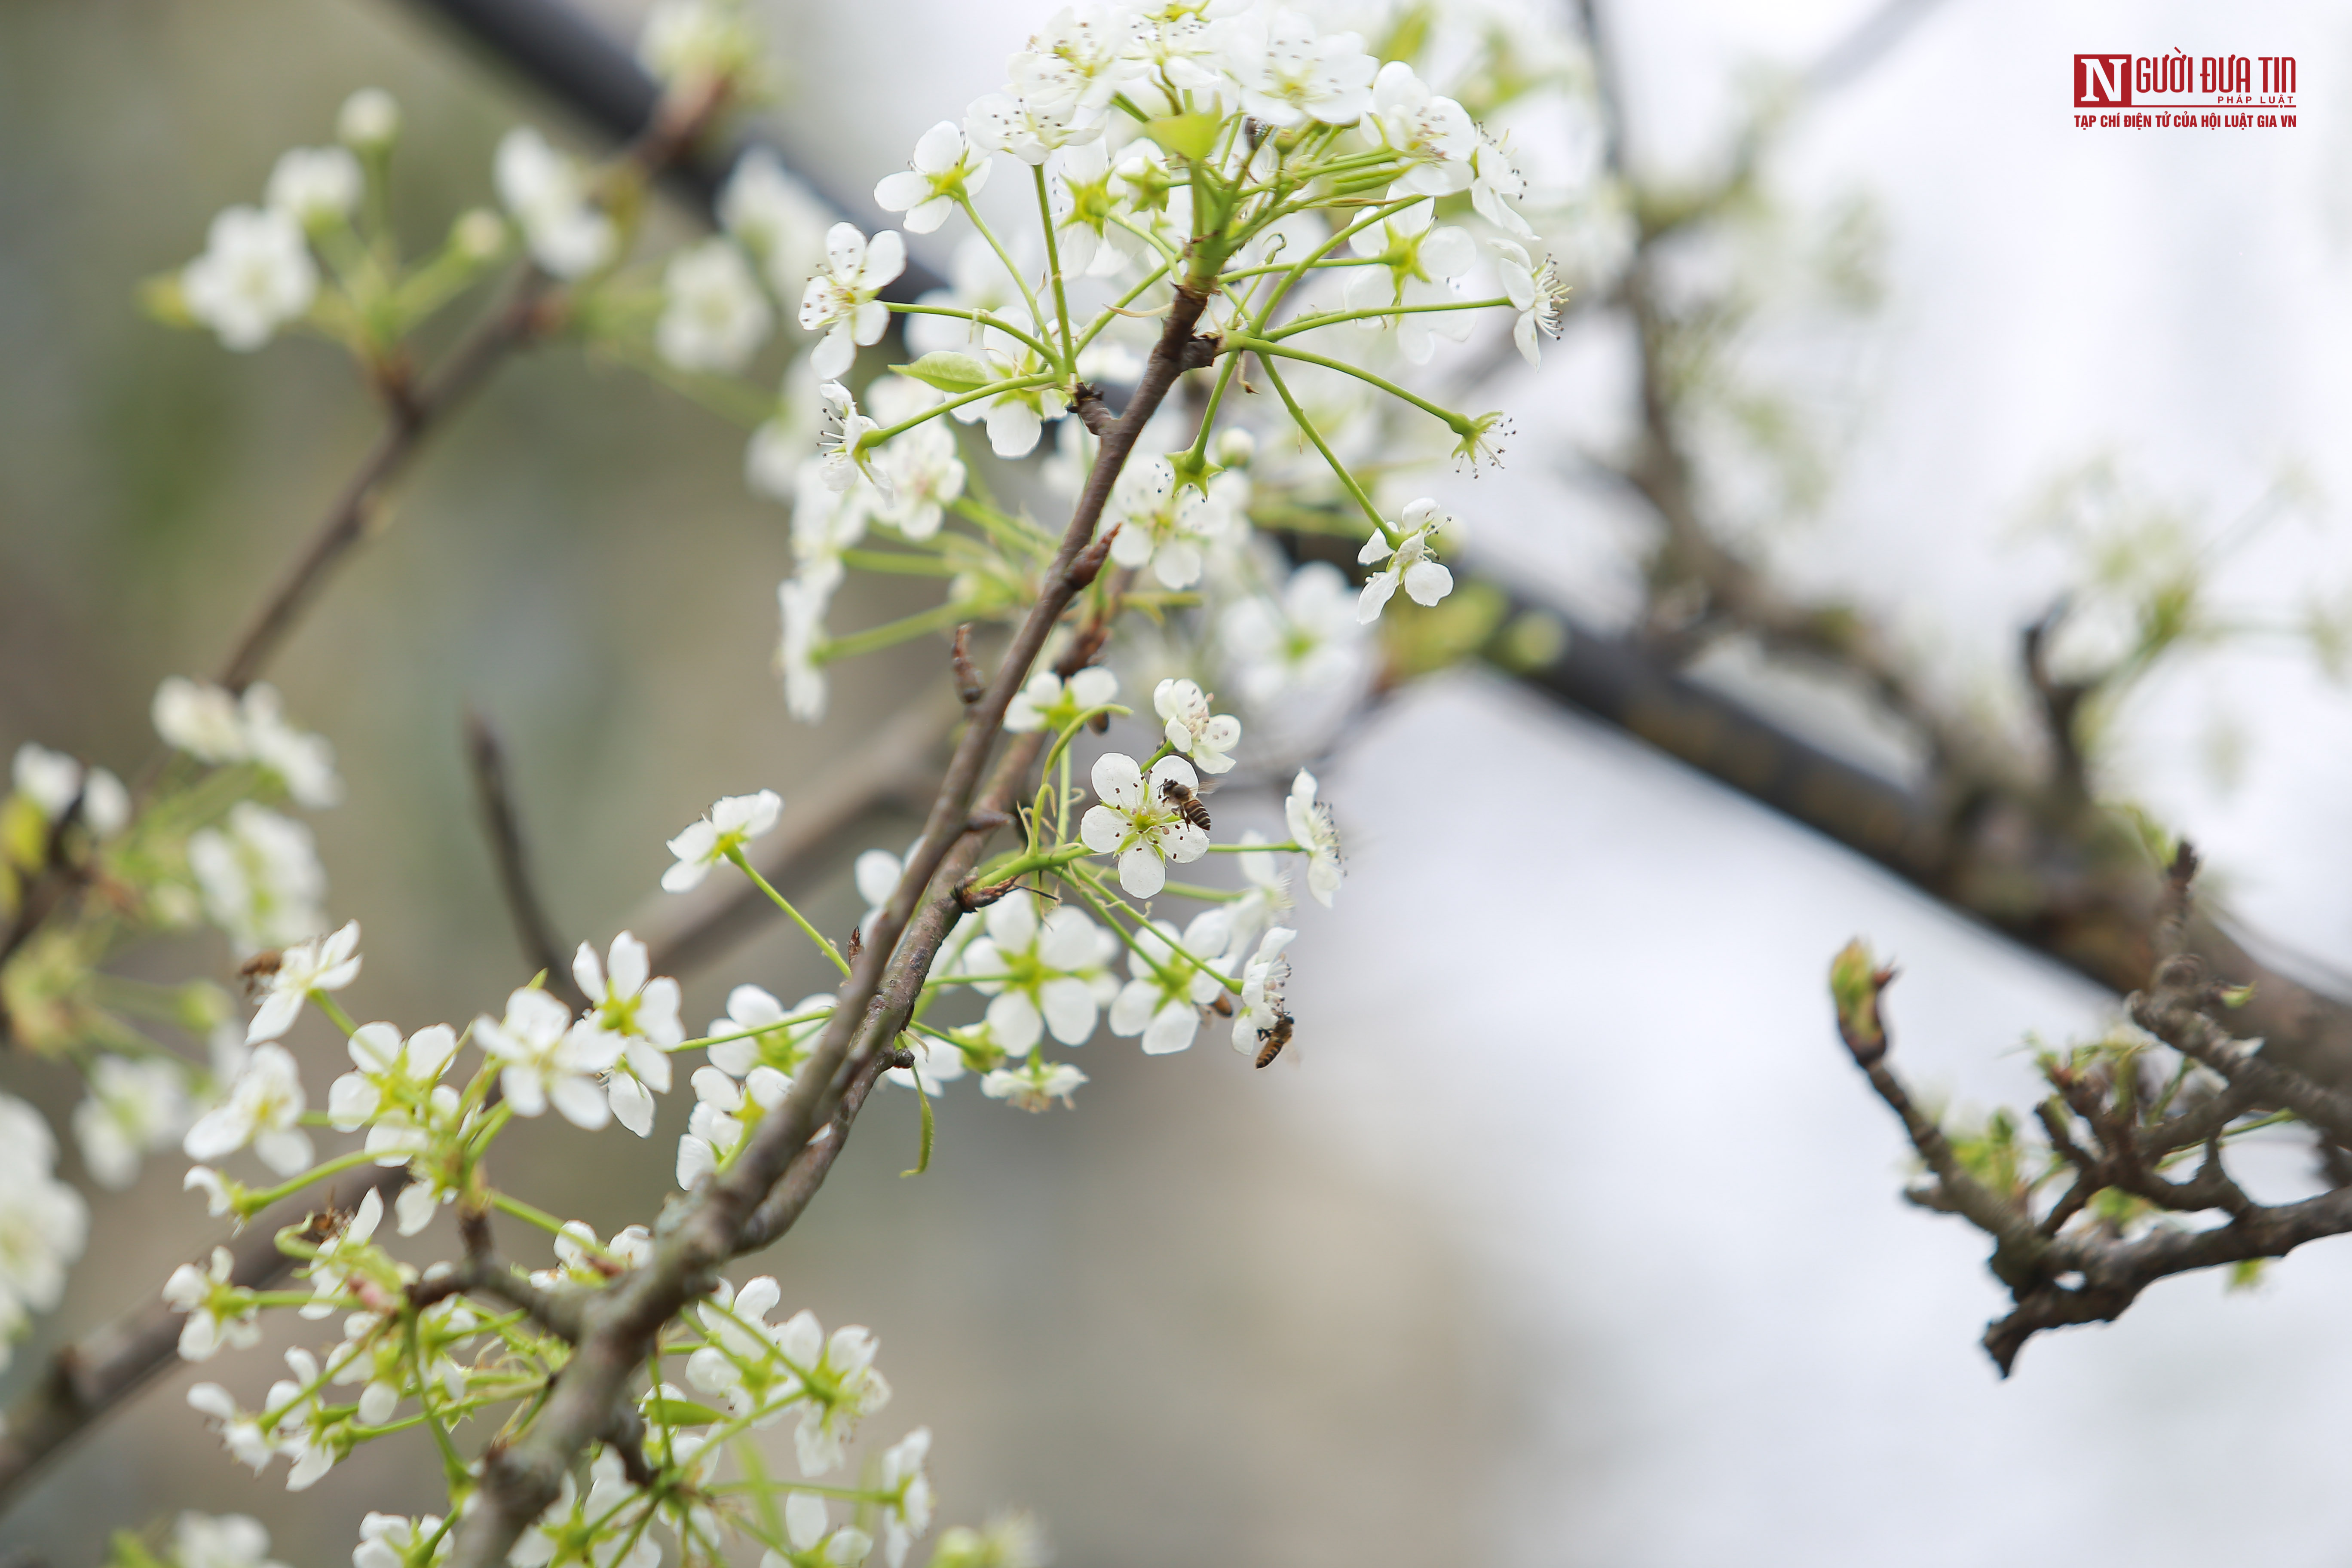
x=1311 y=827
x=322 y=964
x=734 y=821
x=549 y=1058
x=1138 y=822
x=841 y=299
x=945 y=166
x=1413 y=562
x=1207 y=738
x=254 y=275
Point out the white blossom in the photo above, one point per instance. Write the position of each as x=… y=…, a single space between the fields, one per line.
x=322 y=964
x=1311 y=825
x=1046 y=701
x=639 y=1011
x=1032 y=1084
x=547 y=191
x=1435 y=131
x=1082 y=60
x=1138 y=822
x=254 y=275
x=1163 y=999
x=264 y=1107
x=549 y=1058
x=849 y=454
x=1420 y=264
x=1495 y=185
x=369 y=119
x=1163 y=526
x=224 y=1541
x=1039 y=974
x=907 y=1515
x=135 y=1107
x=53 y=781
x=1006 y=122
x=777 y=218
x=390 y=1540
x=218 y=1313
x=841 y=300
x=330 y=1272
x=1208 y=739
x=43 y=1222
x=714 y=316
x=1263 y=979
x=246 y=1443
x=315 y=184
x=1310 y=640
x=800 y=602
x=733 y=821
x=943 y=168
x=261 y=877
x=691 y=40
x=808 y=1526
x=200 y=719
x=214 y=726
x=1537 y=292
x=1287 y=73
x=1411 y=562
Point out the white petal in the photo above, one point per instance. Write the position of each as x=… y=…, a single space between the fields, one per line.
x=1140 y=873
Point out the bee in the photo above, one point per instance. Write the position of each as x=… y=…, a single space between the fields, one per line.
x=1273 y=1037
x=1188 y=805
x=324 y=1225
x=255 y=970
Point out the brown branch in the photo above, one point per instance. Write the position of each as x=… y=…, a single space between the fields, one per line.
x=520 y=1478
x=541 y=947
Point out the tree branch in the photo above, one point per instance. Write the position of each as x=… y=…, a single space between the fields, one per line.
x=541 y=947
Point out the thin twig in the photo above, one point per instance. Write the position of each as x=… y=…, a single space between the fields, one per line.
x=541 y=947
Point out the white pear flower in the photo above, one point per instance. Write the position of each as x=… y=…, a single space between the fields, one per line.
x=1263 y=979
x=246 y=1443
x=809 y=1527
x=1495 y=183
x=800 y=602
x=1307 y=641
x=304 y=763
x=1411 y=562
x=1264 y=901
x=321 y=964
x=330 y=1272
x=1006 y=122
x=776 y=217
x=1039 y=974
x=639 y=1011
x=944 y=167
x=1162 y=1003
x=298 y=1432
x=840 y=1387
x=264 y=1107
x=1287 y=73
x=316 y=184
x=1311 y=825
x=390 y=1540
x=841 y=299
x=1435 y=132
x=254 y=275
x=225 y=1540
x=1421 y=266
x=218 y=1191
x=1033 y=1085
x=714 y=316
x=1192 y=729
x=579 y=1260
x=826 y=522
x=722 y=1116
x=219 y=1313
x=1166 y=527
x=549 y=1060
x=369 y=119
x=690 y=40
x=1016 y=417
x=1082 y=60
x=261 y=877
x=568 y=234
x=732 y=821
x=52 y=781
x=849 y=455
x=1089 y=235
x=1047 y=702
x=200 y=719
x=133 y=1107
x=1537 y=292
x=387 y=1071
x=777 y=1044
x=907 y=1510
x=1138 y=820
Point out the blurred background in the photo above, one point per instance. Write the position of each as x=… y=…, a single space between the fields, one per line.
x=1574 y=1238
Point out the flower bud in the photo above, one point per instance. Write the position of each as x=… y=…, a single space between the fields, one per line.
x=1235 y=446
x=370 y=119
x=479 y=235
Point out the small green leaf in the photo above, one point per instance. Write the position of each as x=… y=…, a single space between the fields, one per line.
x=952 y=373
x=1186 y=136
x=923 y=1156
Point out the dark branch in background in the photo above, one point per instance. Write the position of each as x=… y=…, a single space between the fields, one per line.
x=2112 y=1128
x=541 y=947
